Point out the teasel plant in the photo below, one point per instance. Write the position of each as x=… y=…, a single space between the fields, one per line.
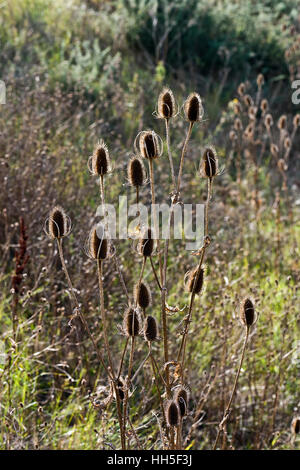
x=248 y=317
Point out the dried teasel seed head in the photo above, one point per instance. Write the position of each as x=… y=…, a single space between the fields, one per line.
x=232 y=136
x=247 y=312
x=241 y=89
x=182 y=397
x=166 y=104
x=98 y=245
x=191 y=284
x=58 y=223
x=274 y=150
x=295 y=427
x=172 y=414
x=264 y=105
x=149 y=145
x=237 y=108
x=252 y=111
x=268 y=121
x=296 y=121
x=209 y=164
x=146 y=243
x=248 y=100
x=150 y=329
x=282 y=166
x=136 y=172
x=142 y=295
x=260 y=80
x=238 y=124
x=249 y=131
x=131 y=323
x=287 y=143
x=101 y=160
x=193 y=108
x=282 y=122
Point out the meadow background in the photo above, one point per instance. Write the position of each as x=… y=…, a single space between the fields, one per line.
x=78 y=71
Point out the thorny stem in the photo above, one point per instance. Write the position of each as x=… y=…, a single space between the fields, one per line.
x=227 y=410
x=125 y=405
x=82 y=318
x=183 y=154
x=154 y=272
x=169 y=153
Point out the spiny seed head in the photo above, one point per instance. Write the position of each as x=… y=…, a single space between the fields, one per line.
x=241 y=89
x=260 y=80
x=98 y=246
x=237 y=108
x=136 y=172
x=296 y=120
x=149 y=145
x=101 y=160
x=252 y=112
x=247 y=312
x=249 y=131
x=166 y=104
x=282 y=166
x=282 y=121
x=58 y=223
x=238 y=124
x=264 y=105
x=193 y=108
x=296 y=425
x=248 y=100
x=150 y=329
x=287 y=143
x=268 y=121
x=182 y=397
x=172 y=413
x=191 y=280
x=142 y=295
x=146 y=243
x=131 y=324
x=232 y=136
x=274 y=150
x=209 y=165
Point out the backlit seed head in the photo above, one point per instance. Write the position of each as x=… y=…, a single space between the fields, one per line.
x=149 y=145
x=172 y=414
x=252 y=111
x=274 y=150
x=209 y=164
x=150 y=329
x=146 y=243
x=287 y=143
x=232 y=136
x=101 y=160
x=193 y=108
x=166 y=104
x=98 y=245
x=191 y=284
x=247 y=312
x=260 y=80
x=268 y=121
x=282 y=122
x=182 y=398
x=58 y=223
x=241 y=89
x=282 y=165
x=296 y=120
x=249 y=131
x=136 y=172
x=264 y=105
x=142 y=295
x=296 y=425
x=131 y=323
x=248 y=100
x=238 y=124
x=237 y=108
